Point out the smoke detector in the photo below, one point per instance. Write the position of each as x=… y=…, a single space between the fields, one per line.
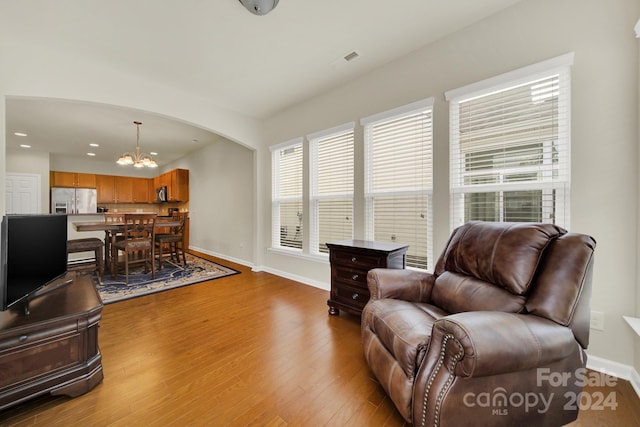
x=259 y=7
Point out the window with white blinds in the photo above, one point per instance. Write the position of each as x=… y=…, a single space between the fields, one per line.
x=287 y=195
x=510 y=148
x=331 y=187
x=399 y=179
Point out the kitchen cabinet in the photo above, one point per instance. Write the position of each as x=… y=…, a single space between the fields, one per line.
x=143 y=190
x=72 y=179
x=106 y=186
x=127 y=189
x=124 y=189
x=177 y=183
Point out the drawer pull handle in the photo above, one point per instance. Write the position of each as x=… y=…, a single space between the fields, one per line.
x=354 y=277
x=354 y=259
x=355 y=296
x=23 y=338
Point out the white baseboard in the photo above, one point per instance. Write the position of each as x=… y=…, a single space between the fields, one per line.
x=295 y=277
x=221 y=256
x=616 y=369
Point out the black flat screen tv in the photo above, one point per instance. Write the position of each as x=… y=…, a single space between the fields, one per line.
x=33 y=252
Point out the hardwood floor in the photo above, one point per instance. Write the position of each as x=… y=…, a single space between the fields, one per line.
x=250 y=349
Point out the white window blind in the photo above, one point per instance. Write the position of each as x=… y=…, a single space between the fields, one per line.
x=510 y=151
x=399 y=179
x=331 y=192
x=287 y=195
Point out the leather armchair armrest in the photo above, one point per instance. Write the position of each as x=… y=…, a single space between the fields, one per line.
x=408 y=285
x=490 y=343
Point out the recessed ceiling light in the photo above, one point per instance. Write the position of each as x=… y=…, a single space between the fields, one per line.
x=93 y=144
x=194 y=140
x=153 y=153
x=25 y=146
x=91 y=154
x=20 y=134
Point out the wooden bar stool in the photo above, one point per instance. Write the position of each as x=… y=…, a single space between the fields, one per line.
x=90 y=244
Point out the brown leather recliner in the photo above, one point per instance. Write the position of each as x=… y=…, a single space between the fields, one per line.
x=495 y=336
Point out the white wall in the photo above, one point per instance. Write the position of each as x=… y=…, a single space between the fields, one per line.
x=222 y=200
x=604 y=191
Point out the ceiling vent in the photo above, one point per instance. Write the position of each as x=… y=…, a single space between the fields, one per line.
x=345 y=59
x=351 y=56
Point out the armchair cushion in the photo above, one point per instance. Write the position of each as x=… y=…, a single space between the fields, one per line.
x=506 y=256
x=457 y=293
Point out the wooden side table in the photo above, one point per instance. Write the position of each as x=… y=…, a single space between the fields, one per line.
x=351 y=260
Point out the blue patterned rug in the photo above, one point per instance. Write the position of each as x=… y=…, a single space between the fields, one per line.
x=169 y=277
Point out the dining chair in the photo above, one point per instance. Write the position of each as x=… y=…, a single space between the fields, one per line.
x=174 y=241
x=137 y=243
x=111 y=236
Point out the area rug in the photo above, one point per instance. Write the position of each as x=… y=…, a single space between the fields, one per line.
x=169 y=277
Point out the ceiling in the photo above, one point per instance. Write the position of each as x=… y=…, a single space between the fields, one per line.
x=217 y=50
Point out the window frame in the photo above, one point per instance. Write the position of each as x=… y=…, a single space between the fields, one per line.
x=556 y=188
x=315 y=198
x=277 y=200
x=370 y=193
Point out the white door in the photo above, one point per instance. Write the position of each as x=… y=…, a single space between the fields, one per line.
x=22 y=193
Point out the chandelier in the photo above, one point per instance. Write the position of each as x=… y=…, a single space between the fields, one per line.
x=137 y=159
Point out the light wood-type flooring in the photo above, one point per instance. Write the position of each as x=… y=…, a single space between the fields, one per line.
x=250 y=349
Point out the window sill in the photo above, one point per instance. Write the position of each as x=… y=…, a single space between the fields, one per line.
x=299 y=254
x=634 y=322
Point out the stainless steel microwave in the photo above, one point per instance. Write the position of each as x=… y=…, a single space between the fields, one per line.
x=161 y=194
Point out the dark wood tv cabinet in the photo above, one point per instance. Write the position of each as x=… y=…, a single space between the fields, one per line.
x=54 y=348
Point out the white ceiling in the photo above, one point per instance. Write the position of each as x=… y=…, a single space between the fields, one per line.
x=216 y=49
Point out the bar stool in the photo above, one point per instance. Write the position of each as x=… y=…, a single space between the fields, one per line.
x=90 y=244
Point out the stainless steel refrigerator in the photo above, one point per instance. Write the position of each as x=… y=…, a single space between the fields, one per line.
x=74 y=200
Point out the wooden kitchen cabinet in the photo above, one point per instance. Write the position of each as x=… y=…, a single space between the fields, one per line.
x=124 y=189
x=106 y=186
x=72 y=179
x=177 y=183
x=127 y=189
x=142 y=190
x=351 y=260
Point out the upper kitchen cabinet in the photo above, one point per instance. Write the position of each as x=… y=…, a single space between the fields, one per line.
x=142 y=190
x=106 y=185
x=124 y=189
x=72 y=179
x=177 y=183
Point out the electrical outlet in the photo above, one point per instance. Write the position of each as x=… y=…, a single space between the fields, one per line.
x=597 y=320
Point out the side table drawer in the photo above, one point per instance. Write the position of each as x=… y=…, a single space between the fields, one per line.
x=350 y=276
x=350 y=259
x=356 y=297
